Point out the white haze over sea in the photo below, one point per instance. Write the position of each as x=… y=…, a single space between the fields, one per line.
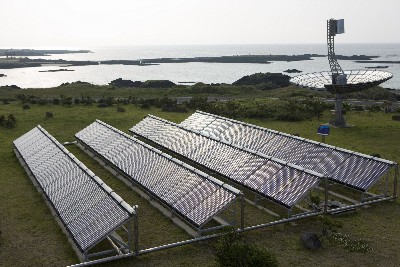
x=196 y=72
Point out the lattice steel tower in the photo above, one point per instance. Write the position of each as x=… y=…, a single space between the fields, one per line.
x=338 y=76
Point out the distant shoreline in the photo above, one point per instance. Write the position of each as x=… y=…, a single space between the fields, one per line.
x=10 y=53
x=14 y=62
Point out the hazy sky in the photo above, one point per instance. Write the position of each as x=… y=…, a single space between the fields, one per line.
x=86 y=23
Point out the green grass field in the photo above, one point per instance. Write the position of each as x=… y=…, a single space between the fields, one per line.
x=31 y=237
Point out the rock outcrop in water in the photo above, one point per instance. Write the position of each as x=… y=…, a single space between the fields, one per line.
x=292 y=71
x=272 y=80
x=147 y=84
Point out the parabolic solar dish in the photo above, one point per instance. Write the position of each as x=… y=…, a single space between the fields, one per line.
x=357 y=80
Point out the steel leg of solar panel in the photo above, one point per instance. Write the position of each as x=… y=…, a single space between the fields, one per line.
x=326 y=187
x=396 y=176
x=242 y=211
x=136 y=231
x=387 y=185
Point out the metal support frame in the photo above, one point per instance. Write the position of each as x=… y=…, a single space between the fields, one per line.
x=249 y=228
x=326 y=185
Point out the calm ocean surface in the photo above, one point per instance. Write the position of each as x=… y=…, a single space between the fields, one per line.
x=196 y=72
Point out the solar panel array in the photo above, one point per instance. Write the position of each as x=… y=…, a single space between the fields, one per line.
x=350 y=168
x=194 y=195
x=271 y=178
x=86 y=206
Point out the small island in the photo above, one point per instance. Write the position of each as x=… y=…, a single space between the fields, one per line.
x=55 y=70
x=3 y=75
x=378 y=67
x=292 y=71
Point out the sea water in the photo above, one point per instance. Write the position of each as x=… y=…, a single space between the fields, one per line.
x=196 y=72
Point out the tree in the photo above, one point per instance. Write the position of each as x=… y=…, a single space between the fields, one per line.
x=231 y=250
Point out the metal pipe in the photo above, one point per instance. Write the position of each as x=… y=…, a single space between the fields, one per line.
x=362 y=204
x=97 y=254
x=181 y=243
x=213 y=228
x=145 y=251
x=279 y=222
x=115 y=247
x=374 y=197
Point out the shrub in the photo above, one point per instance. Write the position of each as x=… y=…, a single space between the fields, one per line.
x=374 y=107
x=21 y=97
x=102 y=105
x=330 y=231
x=10 y=122
x=145 y=105
x=158 y=84
x=42 y=101
x=87 y=101
x=77 y=101
x=232 y=250
x=107 y=101
x=56 y=101
x=5 y=101
x=66 y=101
x=120 y=109
x=315 y=199
x=396 y=118
x=359 y=108
x=2 y=120
x=26 y=106
x=198 y=102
